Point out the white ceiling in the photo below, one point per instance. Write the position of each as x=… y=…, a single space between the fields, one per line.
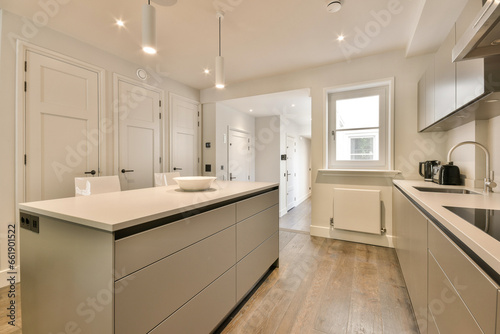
x=259 y=37
x=295 y=105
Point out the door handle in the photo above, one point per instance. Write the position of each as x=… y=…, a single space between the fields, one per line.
x=287 y=174
x=92 y=172
x=231 y=177
x=127 y=171
x=177 y=168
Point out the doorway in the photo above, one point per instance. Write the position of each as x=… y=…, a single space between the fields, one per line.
x=291 y=174
x=61 y=134
x=239 y=155
x=138 y=115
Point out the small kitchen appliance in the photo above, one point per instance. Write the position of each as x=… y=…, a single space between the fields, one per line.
x=425 y=169
x=446 y=174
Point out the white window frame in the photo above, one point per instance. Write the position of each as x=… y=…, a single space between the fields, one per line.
x=384 y=87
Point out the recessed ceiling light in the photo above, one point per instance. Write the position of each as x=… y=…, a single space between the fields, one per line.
x=206 y=71
x=496 y=42
x=120 y=23
x=340 y=38
x=293 y=105
x=492 y=100
x=251 y=110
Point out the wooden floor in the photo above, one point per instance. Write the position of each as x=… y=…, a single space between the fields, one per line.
x=5 y=328
x=297 y=219
x=328 y=286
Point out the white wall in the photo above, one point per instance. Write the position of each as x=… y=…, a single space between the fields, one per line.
x=267 y=149
x=410 y=146
x=13 y=25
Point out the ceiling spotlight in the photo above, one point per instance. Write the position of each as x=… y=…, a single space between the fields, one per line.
x=219 y=60
x=206 y=71
x=340 y=38
x=333 y=6
x=251 y=110
x=120 y=23
x=491 y=101
x=293 y=105
x=496 y=42
x=148 y=28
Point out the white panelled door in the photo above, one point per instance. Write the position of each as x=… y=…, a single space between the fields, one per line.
x=239 y=156
x=185 y=126
x=61 y=129
x=291 y=174
x=139 y=133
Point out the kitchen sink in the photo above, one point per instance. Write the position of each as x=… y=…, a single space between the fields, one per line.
x=447 y=190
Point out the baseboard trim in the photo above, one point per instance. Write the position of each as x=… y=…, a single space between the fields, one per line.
x=5 y=274
x=383 y=240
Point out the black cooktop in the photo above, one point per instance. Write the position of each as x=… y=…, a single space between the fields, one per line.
x=486 y=220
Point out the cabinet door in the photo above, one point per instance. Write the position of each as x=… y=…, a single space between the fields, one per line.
x=448 y=310
x=411 y=248
x=422 y=103
x=445 y=78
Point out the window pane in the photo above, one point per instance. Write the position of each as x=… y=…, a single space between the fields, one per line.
x=362 y=112
x=357 y=145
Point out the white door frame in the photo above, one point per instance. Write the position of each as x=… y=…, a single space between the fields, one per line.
x=171 y=132
x=21 y=48
x=294 y=182
x=116 y=124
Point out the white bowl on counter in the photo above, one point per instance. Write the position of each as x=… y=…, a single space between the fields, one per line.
x=194 y=183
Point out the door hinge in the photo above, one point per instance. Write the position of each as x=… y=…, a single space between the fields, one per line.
x=160 y=159
x=331 y=222
x=198 y=114
x=159 y=103
x=160 y=115
x=25 y=159
x=333 y=134
x=25 y=66
x=25 y=86
x=248 y=177
x=198 y=124
x=198 y=160
x=249 y=148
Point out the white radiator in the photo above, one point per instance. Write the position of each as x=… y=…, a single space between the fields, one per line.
x=357 y=210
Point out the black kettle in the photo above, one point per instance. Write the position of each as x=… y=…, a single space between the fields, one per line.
x=426 y=173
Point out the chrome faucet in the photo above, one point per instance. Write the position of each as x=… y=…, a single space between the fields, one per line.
x=490 y=175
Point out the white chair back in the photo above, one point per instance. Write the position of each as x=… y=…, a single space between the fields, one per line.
x=165 y=179
x=85 y=186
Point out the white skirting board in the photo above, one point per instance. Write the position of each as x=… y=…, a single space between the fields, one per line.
x=357 y=210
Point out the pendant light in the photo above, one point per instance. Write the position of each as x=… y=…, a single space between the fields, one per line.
x=148 y=28
x=219 y=60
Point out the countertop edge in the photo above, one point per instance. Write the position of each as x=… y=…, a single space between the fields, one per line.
x=34 y=208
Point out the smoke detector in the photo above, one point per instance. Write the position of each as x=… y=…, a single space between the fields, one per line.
x=333 y=6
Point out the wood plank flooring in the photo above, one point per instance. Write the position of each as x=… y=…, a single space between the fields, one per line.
x=5 y=328
x=322 y=286
x=297 y=219
x=328 y=286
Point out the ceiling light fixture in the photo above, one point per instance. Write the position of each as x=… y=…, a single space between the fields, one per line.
x=333 y=6
x=219 y=60
x=340 y=38
x=206 y=71
x=148 y=28
x=120 y=23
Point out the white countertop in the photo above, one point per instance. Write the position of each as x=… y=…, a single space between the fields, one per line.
x=485 y=246
x=118 y=210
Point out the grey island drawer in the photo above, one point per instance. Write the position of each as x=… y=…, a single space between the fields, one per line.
x=155 y=292
x=139 y=250
x=251 y=206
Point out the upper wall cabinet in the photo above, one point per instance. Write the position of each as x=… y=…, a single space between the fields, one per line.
x=426 y=98
x=445 y=78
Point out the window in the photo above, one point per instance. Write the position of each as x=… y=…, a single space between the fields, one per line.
x=358 y=127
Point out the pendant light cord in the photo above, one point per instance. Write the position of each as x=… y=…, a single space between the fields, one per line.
x=219 y=37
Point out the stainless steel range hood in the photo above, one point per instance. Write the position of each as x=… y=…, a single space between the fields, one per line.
x=482 y=39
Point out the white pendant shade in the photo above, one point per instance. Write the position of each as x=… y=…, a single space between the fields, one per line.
x=148 y=29
x=219 y=72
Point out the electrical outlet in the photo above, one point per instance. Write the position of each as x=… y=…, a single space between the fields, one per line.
x=25 y=220
x=35 y=224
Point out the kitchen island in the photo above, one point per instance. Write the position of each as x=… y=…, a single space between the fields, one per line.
x=157 y=260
